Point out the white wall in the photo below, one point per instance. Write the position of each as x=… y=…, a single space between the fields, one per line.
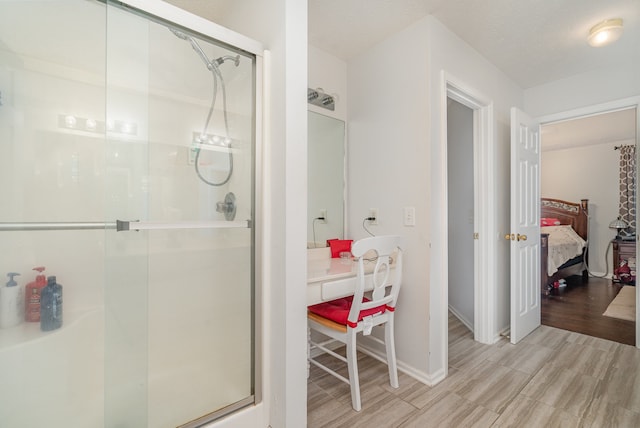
x=394 y=130
x=460 y=204
x=388 y=169
x=582 y=90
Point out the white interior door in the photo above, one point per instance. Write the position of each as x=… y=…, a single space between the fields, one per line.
x=525 y=225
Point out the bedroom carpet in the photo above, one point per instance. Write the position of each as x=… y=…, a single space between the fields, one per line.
x=624 y=305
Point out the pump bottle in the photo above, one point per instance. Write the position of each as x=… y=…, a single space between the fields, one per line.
x=51 y=305
x=11 y=303
x=32 y=293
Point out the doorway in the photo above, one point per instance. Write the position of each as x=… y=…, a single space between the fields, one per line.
x=571 y=151
x=460 y=201
x=483 y=262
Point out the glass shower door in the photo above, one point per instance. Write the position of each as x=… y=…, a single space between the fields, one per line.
x=179 y=173
x=51 y=167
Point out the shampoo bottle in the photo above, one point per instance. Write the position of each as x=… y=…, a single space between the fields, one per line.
x=51 y=305
x=32 y=293
x=11 y=303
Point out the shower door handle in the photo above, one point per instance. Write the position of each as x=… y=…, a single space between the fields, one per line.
x=56 y=225
x=123 y=226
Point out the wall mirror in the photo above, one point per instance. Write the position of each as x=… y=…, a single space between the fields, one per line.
x=326 y=179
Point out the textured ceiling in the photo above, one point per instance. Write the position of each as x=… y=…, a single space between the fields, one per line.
x=532 y=41
x=345 y=28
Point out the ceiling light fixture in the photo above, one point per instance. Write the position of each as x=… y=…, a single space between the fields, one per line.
x=607 y=31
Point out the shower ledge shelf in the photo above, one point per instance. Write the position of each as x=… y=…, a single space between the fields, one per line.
x=29 y=332
x=209 y=147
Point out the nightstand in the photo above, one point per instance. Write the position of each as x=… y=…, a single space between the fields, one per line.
x=624 y=250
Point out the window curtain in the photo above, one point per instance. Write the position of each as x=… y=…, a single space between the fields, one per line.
x=628 y=187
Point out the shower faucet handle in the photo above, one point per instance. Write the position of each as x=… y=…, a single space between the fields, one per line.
x=228 y=206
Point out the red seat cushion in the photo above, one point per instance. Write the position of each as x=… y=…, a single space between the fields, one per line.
x=338 y=310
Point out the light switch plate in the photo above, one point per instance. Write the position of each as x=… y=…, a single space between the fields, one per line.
x=409 y=216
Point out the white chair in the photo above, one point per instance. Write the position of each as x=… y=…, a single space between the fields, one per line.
x=342 y=319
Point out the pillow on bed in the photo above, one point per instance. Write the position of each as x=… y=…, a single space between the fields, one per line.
x=549 y=221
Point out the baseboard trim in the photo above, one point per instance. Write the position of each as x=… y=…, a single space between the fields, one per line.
x=420 y=376
x=462 y=319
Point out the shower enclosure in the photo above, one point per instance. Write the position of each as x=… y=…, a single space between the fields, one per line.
x=128 y=159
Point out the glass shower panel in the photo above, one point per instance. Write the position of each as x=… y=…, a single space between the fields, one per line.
x=179 y=165
x=126 y=197
x=51 y=174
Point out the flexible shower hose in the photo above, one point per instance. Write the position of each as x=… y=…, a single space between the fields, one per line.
x=216 y=74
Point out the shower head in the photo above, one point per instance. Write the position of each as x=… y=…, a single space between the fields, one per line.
x=179 y=34
x=196 y=47
x=211 y=65
x=222 y=59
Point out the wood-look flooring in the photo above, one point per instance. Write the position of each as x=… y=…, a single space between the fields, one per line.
x=552 y=378
x=579 y=307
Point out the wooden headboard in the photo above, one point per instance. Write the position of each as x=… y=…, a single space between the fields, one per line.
x=567 y=212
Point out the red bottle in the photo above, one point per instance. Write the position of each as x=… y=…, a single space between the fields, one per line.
x=32 y=296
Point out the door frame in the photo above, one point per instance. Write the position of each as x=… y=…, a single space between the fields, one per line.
x=594 y=110
x=485 y=224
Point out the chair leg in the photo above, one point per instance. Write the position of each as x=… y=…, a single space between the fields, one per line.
x=352 y=364
x=308 y=351
x=390 y=345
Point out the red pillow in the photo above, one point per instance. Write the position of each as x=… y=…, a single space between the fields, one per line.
x=338 y=246
x=549 y=221
x=338 y=310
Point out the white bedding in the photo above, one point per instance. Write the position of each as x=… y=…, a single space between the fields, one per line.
x=564 y=244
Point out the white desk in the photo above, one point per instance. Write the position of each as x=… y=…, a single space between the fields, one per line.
x=329 y=279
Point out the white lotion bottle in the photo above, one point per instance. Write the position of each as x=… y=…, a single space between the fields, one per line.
x=11 y=303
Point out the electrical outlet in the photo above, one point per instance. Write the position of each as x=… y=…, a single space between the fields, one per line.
x=373 y=212
x=323 y=214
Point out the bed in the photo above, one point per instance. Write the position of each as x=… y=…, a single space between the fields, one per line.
x=567 y=214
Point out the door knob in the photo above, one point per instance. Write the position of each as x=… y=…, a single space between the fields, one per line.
x=509 y=237
x=522 y=237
